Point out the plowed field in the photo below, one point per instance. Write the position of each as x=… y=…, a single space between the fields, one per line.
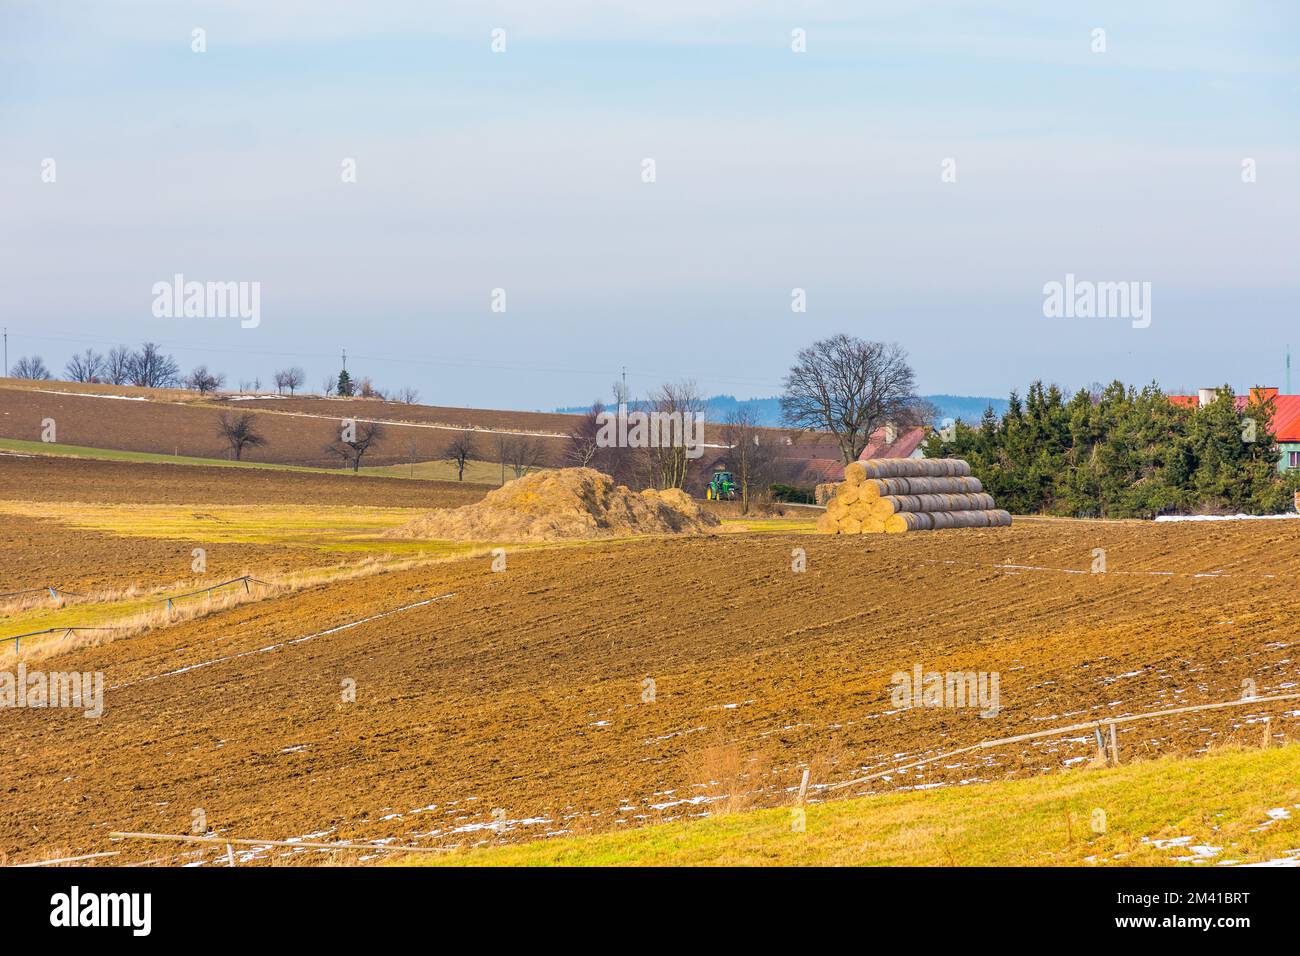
x=114 y=482
x=523 y=692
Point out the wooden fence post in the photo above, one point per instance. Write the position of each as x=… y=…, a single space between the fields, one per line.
x=1114 y=744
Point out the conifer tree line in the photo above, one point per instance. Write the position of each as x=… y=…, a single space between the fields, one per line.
x=1120 y=452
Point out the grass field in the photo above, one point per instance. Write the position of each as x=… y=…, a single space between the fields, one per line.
x=118 y=454
x=1231 y=806
x=478 y=472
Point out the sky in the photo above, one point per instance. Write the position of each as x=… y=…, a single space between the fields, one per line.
x=920 y=171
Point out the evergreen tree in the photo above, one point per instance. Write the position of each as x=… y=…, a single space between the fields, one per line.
x=1117 y=452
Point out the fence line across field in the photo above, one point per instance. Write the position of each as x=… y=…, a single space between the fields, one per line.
x=66 y=631
x=247 y=580
x=1094 y=725
x=54 y=592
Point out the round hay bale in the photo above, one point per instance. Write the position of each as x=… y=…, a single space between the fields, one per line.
x=854 y=473
x=915 y=468
x=938 y=502
x=905 y=521
x=883 y=487
x=847 y=493
x=943 y=520
x=826 y=524
x=860 y=510
x=850 y=525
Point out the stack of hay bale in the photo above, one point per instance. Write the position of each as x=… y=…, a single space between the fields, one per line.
x=897 y=495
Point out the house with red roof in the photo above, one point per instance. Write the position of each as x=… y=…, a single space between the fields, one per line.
x=815 y=464
x=1285 y=424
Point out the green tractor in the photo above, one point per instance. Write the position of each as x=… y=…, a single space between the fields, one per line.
x=722 y=487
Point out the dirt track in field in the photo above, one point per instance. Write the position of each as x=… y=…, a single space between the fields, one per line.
x=111 y=482
x=523 y=689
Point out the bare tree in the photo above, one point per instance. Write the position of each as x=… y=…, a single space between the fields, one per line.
x=502 y=442
x=458 y=451
x=281 y=379
x=581 y=448
x=355 y=440
x=919 y=413
x=524 y=453
x=668 y=464
x=84 y=367
x=239 y=431
x=849 y=388
x=203 y=381
x=330 y=384
x=33 y=368
x=520 y=452
x=752 y=454
x=620 y=393
x=294 y=378
x=150 y=368
x=407 y=395
x=117 y=365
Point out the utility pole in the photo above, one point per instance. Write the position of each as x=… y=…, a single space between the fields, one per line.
x=7 y=351
x=345 y=360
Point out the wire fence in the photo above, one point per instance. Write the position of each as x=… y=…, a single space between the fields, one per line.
x=1093 y=725
x=53 y=591
x=67 y=631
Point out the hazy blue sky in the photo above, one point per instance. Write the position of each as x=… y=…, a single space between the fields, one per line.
x=775 y=170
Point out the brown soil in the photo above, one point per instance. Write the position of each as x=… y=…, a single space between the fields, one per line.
x=36 y=553
x=524 y=690
x=565 y=504
x=171 y=421
x=297 y=430
x=55 y=478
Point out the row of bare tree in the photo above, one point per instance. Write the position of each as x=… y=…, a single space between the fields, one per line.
x=519 y=452
x=841 y=386
x=150 y=367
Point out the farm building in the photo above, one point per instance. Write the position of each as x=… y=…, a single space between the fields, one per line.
x=1286 y=418
x=810 y=465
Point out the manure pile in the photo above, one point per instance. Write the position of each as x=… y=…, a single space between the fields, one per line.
x=897 y=495
x=564 y=504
